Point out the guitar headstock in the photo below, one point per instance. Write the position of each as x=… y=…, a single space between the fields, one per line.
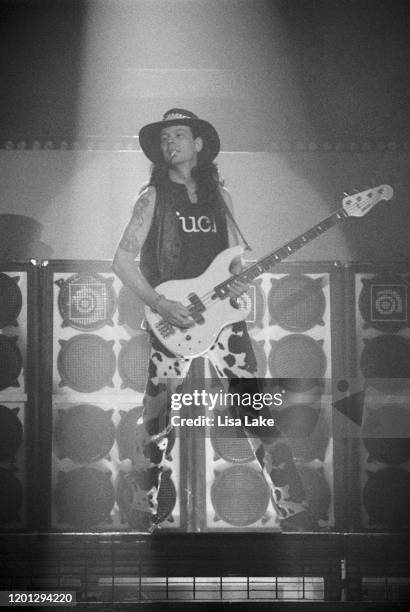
x=359 y=204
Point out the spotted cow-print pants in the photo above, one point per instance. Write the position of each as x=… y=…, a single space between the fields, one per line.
x=232 y=357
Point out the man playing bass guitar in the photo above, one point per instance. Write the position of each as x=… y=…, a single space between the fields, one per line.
x=181 y=221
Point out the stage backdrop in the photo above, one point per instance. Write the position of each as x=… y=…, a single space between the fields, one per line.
x=83 y=198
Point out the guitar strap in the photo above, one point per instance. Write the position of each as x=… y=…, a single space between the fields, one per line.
x=232 y=218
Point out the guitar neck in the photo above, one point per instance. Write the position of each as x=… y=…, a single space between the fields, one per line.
x=266 y=263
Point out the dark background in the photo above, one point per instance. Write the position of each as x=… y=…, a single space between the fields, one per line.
x=335 y=70
x=310 y=98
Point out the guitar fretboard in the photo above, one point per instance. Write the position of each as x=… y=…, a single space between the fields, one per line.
x=267 y=262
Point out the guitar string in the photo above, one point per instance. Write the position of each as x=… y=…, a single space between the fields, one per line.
x=207 y=299
x=271 y=259
x=265 y=263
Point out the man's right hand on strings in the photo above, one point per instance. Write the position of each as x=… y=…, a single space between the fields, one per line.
x=174 y=312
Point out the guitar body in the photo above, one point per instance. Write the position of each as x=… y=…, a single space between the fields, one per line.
x=197 y=339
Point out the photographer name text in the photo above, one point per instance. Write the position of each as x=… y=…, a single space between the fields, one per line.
x=222 y=421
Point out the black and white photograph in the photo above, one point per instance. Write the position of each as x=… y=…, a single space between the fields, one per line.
x=205 y=305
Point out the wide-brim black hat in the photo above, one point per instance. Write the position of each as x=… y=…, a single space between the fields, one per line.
x=149 y=135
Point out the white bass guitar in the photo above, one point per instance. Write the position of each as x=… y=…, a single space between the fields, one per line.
x=207 y=296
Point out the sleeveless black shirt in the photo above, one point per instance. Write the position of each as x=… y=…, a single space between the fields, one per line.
x=184 y=237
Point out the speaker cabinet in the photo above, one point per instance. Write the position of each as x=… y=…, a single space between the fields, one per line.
x=235 y=490
x=380 y=341
x=17 y=393
x=98 y=359
x=73 y=357
x=296 y=325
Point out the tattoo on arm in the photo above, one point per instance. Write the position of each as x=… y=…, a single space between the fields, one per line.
x=129 y=241
x=141 y=204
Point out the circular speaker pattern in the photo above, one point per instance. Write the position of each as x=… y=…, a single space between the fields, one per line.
x=297 y=302
x=317 y=491
x=11 y=300
x=385 y=360
x=297 y=421
x=231 y=443
x=386 y=497
x=11 y=362
x=86 y=363
x=312 y=446
x=131 y=310
x=299 y=359
x=11 y=497
x=133 y=362
x=240 y=495
x=382 y=302
x=126 y=433
x=11 y=433
x=385 y=434
x=84 y=497
x=86 y=301
x=167 y=496
x=84 y=433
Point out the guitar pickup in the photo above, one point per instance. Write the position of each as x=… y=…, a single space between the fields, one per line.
x=196 y=308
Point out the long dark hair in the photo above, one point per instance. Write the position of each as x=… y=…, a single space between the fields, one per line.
x=205 y=174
